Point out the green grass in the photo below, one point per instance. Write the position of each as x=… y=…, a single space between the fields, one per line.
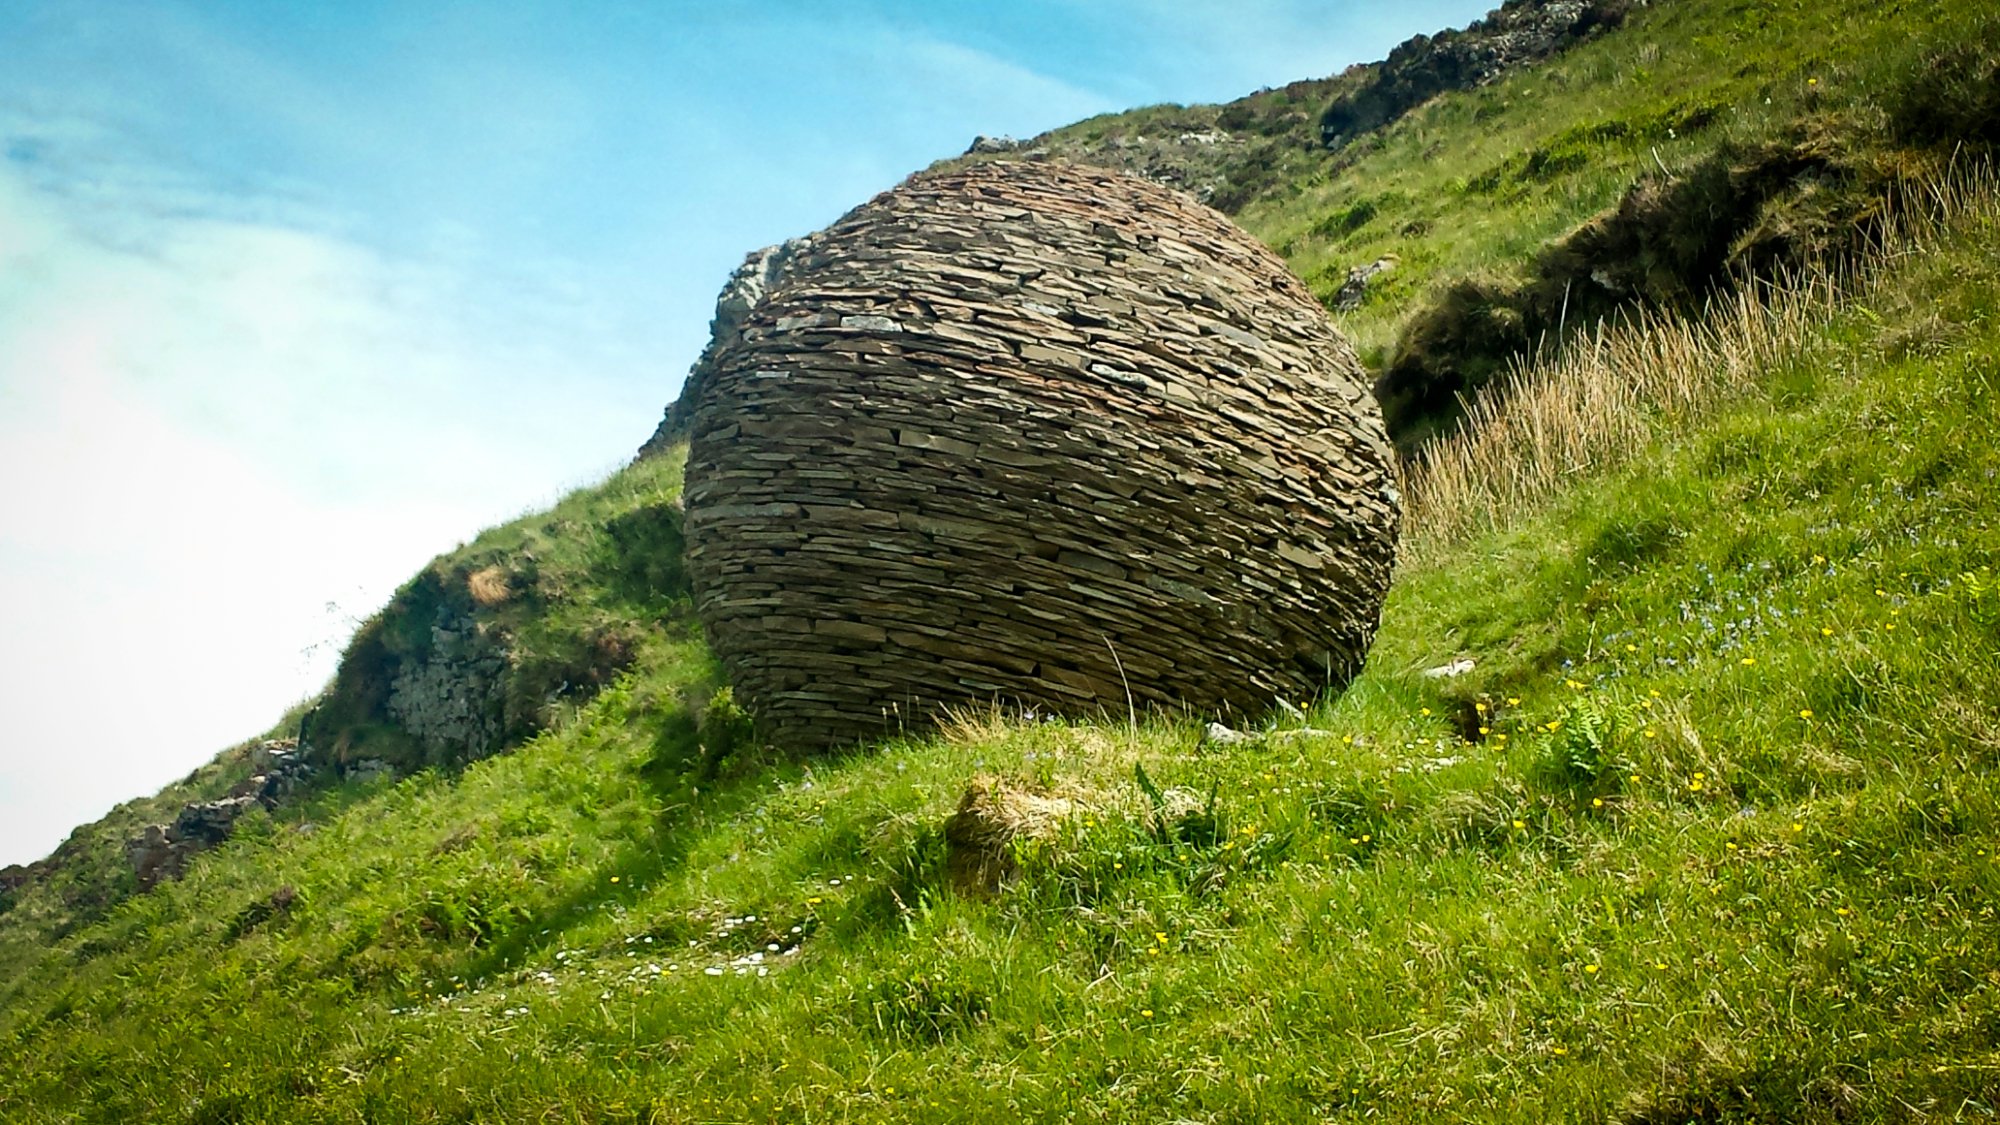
x=1727 y=848
x=594 y=584
x=1480 y=181
x=1710 y=831
x=556 y=604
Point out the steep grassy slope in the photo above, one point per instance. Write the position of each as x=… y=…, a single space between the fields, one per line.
x=493 y=641
x=88 y=874
x=1639 y=168
x=539 y=613
x=1480 y=194
x=1708 y=832
x=1486 y=179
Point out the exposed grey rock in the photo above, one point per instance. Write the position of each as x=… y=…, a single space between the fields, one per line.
x=209 y=822
x=162 y=851
x=1514 y=35
x=1355 y=289
x=453 y=700
x=16 y=875
x=985 y=144
x=267 y=754
x=1216 y=734
x=365 y=770
x=1113 y=445
x=1457 y=667
x=150 y=853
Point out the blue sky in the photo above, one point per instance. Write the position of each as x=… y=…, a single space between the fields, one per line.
x=295 y=296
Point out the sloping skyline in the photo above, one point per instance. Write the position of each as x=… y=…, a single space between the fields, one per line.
x=292 y=299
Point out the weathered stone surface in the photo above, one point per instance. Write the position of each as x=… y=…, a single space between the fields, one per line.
x=1040 y=433
x=1511 y=36
x=1354 y=290
x=162 y=851
x=453 y=700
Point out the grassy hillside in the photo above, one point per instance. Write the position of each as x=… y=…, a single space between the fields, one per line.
x=1640 y=168
x=1708 y=832
x=508 y=634
x=500 y=638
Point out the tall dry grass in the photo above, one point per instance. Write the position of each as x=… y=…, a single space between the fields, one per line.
x=1599 y=401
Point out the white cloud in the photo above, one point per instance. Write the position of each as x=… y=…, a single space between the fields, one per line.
x=212 y=428
x=930 y=71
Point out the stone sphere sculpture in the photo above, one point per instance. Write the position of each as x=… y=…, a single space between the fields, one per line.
x=1045 y=435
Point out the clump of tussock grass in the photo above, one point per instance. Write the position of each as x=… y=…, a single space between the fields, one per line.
x=1564 y=414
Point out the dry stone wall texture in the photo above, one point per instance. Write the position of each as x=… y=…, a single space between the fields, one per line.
x=1041 y=434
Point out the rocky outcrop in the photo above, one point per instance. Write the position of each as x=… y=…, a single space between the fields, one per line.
x=1223 y=155
x=1231 y=154
x=1354 y=290
x=453 y=700
x=1040 y=433
x=424 y=682
x=15 y=876
x=162 y=851
x=1520 y=32
x=488 y=645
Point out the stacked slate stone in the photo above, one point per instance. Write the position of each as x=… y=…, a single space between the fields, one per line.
x=1047 y=435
